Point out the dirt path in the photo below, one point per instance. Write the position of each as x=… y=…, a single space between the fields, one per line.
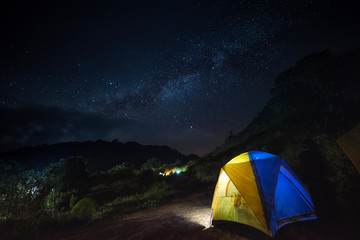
x=189 y=219
x=181 y=219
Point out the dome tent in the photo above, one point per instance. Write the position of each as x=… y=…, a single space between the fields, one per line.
x=260 y=190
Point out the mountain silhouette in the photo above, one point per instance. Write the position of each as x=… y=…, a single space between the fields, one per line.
x=99 y=155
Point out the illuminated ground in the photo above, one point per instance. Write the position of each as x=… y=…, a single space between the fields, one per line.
x=188 y=218
x=181 y=219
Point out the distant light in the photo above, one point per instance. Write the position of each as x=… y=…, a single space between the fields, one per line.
x=177 y=171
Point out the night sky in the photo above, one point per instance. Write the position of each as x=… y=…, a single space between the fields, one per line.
x=177 y=73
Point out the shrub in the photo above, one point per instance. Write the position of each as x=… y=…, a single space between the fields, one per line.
x=151 y=163
x=21 y=192
x=67 y=174
x=157 y=194
x=73 y=200
x=85 y=208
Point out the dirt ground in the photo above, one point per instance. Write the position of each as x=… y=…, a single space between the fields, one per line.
x=189 y=219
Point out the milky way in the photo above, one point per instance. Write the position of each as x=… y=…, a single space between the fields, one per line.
x=190 y=69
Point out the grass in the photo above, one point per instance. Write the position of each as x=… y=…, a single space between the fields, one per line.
x=157 y=194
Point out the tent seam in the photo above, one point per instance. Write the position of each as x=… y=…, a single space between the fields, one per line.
x=259 y=187
x=302 y=195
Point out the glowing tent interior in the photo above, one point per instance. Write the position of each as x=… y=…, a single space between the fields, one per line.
x=260 y=190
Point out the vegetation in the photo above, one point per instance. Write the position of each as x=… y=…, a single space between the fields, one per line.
x=85 y=208
x=65 y=194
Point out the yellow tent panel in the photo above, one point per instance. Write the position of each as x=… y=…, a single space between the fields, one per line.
x=236 y=189
x=230 y=205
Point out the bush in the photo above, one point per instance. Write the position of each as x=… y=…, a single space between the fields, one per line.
x=68 y=174
x=85 y=208
x=21 y=192
x=151 y=163
x=157 y=194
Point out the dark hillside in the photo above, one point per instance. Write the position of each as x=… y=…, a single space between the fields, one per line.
x=100 y=155
x=311 y=105
x=321 y=92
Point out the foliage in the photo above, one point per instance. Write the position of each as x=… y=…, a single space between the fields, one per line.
x=30 y=200
x=73 y=200
x=152 y=163
x=68 y=174
x=57 y=201
x=122 y=169
x=157 y=194
x=21 y=192
x=206 y=171
x=39 y=197
x=84 y=208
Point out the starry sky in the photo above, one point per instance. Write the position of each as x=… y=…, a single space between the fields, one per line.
x=177 y=73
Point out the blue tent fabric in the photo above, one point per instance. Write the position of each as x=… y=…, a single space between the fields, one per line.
x=288 y=201
x=265 y=167
x=285 y=200
x=290 y=174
